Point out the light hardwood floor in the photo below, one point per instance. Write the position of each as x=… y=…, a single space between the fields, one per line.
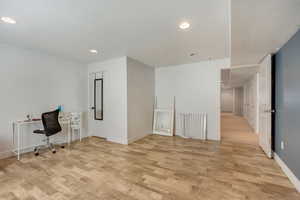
x=236 y=129
x=156 y=167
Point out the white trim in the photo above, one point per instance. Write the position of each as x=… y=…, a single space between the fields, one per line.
x=263 y=58
x=233 y=100
x=133 y=139
x=117 y=140
x=288 y=172
x=244 y=66
x=10 y=153
x=6 y=154
x=219 y=107
x=257 y=103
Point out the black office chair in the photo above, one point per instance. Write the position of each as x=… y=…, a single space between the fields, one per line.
x=51 y=127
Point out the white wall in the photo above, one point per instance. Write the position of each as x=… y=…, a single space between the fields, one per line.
x=31 y=82
x=128 y=100
x=140 y=99
x=114 y=124
x=227 y=100
x=196 y=87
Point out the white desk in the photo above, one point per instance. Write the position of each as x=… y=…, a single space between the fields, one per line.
x=18 y=124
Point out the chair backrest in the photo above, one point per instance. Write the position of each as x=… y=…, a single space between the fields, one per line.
x=50 y=122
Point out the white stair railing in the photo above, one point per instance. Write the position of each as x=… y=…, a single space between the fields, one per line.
x=191 y=125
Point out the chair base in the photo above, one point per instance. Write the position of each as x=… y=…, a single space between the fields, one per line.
x=48 y=145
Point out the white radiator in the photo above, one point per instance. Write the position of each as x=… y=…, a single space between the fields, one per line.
x=191 y=125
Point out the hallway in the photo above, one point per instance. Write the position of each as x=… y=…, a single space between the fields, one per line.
x=236 y=129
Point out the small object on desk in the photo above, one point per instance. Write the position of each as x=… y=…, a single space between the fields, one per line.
x=28 y=117
x=60 y=108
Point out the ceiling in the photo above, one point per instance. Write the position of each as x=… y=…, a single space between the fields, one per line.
x=260 y=27
x=145 y=30
x=237 y=76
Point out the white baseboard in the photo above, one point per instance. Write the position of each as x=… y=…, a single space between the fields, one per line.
x=117 y=140
x=10 y=153
x=288 y=172
x=6 y=154
x=162 y=133
x=136 y=138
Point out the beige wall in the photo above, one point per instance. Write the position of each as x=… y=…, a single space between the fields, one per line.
x=140 y=99
x=238 y=101
x=227 y=100
x=196 y=87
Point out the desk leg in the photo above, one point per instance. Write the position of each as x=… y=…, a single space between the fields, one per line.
x=69 y=135
x=13 y=135
x=19 y=143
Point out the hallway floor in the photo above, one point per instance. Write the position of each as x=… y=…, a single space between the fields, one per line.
x=236 y=129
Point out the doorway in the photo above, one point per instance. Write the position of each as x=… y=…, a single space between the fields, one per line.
x=258 y=107
x=236 y=129
x=239 y=105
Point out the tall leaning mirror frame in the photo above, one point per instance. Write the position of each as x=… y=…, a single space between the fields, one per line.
x=98 y=99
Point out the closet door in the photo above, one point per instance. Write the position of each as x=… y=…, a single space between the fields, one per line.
x=96 y=104
x=265 y=107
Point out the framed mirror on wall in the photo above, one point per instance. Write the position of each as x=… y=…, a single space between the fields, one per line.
x=98 y=99
x=96 y=103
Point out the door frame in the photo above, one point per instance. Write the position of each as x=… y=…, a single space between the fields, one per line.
x=267 y=109
x=272 y=97
x=273 y=100
x=90 y=106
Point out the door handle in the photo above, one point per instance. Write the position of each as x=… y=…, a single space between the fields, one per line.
x=270 y=111
x=92 y=108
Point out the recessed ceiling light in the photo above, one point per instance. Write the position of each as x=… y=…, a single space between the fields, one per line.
x=94 y=51
x=184 y=25
x=8 y=20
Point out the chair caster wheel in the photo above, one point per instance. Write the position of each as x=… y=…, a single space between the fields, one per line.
x=36 y=154
x=53 y=151
x=62 y=147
